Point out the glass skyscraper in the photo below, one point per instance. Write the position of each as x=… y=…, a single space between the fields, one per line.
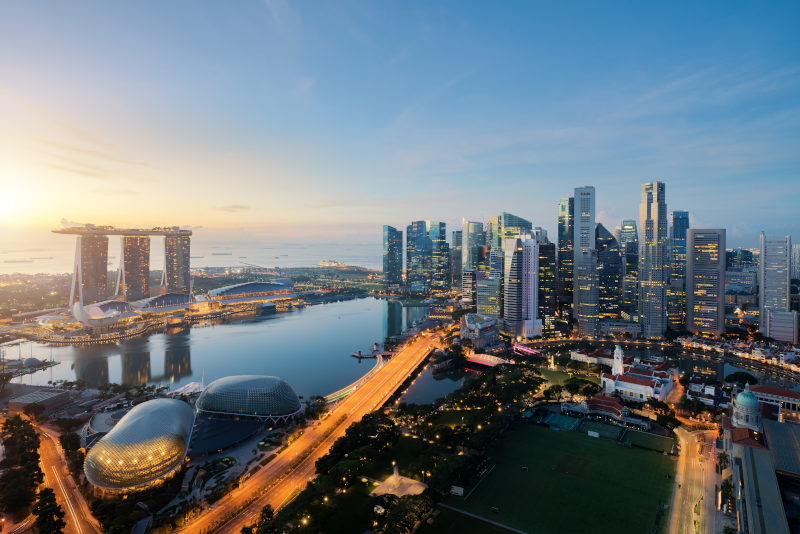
x=547 y=288
x=472 y=238
x=676 y=290
x=440 y=255
x=566 y=225
x=177 y=275
x=774 y=282
x=629 y=247
x=419 y=258
x=134 y=273
x=653 y=260
x=392 y=255
x=585 y=291
x=93 y=258
x=455 y=260
x=609 y=274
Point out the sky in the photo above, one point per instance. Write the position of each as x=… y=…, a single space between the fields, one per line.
x=256 y=121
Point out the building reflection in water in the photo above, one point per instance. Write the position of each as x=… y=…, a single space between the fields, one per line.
x=415 y=315
x=91 y=364
x=177 y=358
x=393 y=318
x=135 y=356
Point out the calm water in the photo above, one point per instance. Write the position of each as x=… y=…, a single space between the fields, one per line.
x=310 y=348
x=428 y=387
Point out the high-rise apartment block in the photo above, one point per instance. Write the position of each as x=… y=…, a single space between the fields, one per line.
x=177 y=275
x=653 y=260
x=705 y=281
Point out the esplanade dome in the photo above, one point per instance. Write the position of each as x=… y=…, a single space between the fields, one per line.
x=249 y=395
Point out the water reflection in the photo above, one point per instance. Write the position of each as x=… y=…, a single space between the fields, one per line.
x=393 y=318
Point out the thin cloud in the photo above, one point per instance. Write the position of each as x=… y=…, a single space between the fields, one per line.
x=233 y=208
x=115 y=191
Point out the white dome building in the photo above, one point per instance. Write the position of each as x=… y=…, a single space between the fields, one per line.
x=746 y=413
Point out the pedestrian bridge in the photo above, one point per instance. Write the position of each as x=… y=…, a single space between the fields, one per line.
x=487 y=360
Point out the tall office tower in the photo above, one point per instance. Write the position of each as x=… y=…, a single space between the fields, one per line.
x=392 y=256
x=472 y=238
x=653 y=256
x=455 y=260
x=440 y=255
x=586 y=291
x=566 y=225
x=493 y=238
x=774 y=282
x=419 y=249
x=795 y=263
x=469 y=286
x=512 y=226
x=548 y=301
x=488 y=294
x=484 y=259
x=705 y=281
x=629 y=247
x=177 y=276
x=676 y=289
x=521 y=287
x=583 y=241
x=90 y=275
x=133 y=281
x=609 y=274
x=739 y=259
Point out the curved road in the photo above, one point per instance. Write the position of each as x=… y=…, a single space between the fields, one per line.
x=281 y=479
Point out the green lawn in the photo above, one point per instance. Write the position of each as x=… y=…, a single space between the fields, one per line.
x=648 y=441
x=454 y=417
x=559 y=377
x=450 y=522
x=574 y=483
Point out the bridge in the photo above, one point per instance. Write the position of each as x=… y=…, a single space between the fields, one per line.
x=522 y=350
x=487 y=360
x=345 y=391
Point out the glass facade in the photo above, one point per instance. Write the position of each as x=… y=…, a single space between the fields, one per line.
x=547 y=288
x=249 y=395
x=392 y=255
x=418 y=256
x=135 y=272
x=653 y=260
x=144 y=448
x=774 y=282
x=629 y=246
x=94 y=268
x=177 y=276
x=566 y=225
x=676 y=290
x=455 y=260
x=609 y=274
x=439 y=270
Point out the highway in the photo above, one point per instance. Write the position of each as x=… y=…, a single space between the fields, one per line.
x=287 y=474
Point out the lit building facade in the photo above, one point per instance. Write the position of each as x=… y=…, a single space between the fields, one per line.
x=440 y=255
x=177 y=275
x=584 y=287
x=548 y=300
x=566 y=230
x=133 y=282
x=93 y=267
x=392 y=256
x=653 y=260
x=520 y=287
x=472 y=238
x=609 y=274
x=455 y=259
x=774 y=282
x=676 y=290
x=629 y=246
x=419 y=258
x=489 y=297
x=469 y=287
x=705 y=281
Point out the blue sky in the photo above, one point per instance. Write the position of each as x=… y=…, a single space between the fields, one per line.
x=323 y=120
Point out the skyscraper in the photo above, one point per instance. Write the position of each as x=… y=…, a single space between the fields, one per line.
x=455 y=260
x=392 y=255
x=774 y=283
x=133 y=282
x=705 y=281
x=609 y=274
x=418 y=257
x=488 y=294
x=795 y=263
x=584 y=287
x=566 y=226
x=440 y=255
x=520 y=287
x=177 y=276
x=90 y=276
x=469 y=286
x=547 y=288
x=512 y=226
x=653 y=265
x=472 y=238
x=676 y=290
x=493 y=238
x=629 y=246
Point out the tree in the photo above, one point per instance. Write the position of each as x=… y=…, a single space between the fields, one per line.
x=5 y=378
x=266 y=514
x=741 y=377
x=34 y=410
x=70 y=441
x=49 y=515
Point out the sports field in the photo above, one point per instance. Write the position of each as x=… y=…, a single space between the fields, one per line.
x=573 y=483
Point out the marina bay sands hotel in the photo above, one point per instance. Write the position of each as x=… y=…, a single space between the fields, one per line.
x=90 y=272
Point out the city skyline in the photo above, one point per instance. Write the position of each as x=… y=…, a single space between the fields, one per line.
x=708 y=106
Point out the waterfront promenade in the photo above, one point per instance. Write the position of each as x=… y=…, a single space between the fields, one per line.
x=287 y=474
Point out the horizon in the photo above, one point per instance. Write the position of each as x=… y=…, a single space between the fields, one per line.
x=316 y=123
